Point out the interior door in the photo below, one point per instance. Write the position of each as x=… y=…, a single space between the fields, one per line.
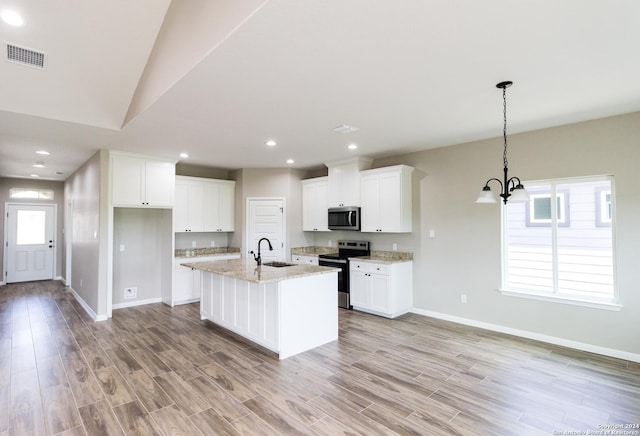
x=30 y=242
x=266 y=220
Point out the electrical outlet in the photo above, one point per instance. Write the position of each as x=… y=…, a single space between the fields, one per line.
x=394 y=246
x=193 y=244
x=130 y=293
x=463 y=298
x=213 y=243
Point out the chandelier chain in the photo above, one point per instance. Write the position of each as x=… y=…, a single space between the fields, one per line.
x=504 y=129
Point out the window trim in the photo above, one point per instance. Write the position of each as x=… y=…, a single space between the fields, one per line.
x=612 y=304
x=532 y=295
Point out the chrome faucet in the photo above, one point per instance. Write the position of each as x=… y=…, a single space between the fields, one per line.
x=257 y=257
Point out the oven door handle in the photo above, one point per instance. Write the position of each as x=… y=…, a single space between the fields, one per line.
x=327 y=262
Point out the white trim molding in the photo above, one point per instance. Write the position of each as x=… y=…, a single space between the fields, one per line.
x=562 y=299
x=86 y=307
x=137 y=303
x=531 y=335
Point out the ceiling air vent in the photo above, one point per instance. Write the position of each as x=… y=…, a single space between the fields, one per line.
x=26 y=56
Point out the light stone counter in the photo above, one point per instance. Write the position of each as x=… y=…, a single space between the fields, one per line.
x=204 y=252
x=313 y=250
x=247 y=270
x=385 y=257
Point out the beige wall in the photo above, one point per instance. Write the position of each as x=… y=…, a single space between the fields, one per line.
x=464 y=257
x=82 y=194
x=145 y=235
x=270 y=182
x=58 y=188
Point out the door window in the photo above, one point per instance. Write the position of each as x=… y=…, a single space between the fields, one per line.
x=31 y=227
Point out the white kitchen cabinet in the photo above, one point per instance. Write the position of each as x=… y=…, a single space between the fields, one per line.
x=204 y=205
x=287 y=316
x=304 y=260
x=219 y=205
x=141 y=182
x=344 y=181
x=386 y=204
x=381 y=289
x=186 y=281
x=315 y=204
x=188 y=212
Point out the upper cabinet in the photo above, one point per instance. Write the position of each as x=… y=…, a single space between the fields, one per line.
x=141 y=182
x=219 y=205
x=385 y=195
x=344 y=181
x=204 y=205
x=314 y=205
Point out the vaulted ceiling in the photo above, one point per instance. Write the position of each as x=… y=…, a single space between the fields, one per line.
x=218 y=78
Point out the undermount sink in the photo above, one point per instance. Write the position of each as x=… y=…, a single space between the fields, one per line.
x=277 y=264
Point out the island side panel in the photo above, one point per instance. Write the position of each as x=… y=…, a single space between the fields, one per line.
x=308 y=313
x=246 y=308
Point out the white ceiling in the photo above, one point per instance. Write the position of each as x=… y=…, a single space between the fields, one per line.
x=226 y=75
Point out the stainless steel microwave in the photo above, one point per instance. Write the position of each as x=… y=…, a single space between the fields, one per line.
x=344 y=218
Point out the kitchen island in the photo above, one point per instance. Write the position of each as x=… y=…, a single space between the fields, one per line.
x=287 y=309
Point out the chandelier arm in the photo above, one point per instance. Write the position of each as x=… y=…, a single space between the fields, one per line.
x=511 y=183
x=497 y=180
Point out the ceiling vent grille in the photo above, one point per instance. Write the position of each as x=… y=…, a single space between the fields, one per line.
x=26 y=56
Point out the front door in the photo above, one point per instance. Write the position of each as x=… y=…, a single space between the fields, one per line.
x=266 y=220
x=30 y=242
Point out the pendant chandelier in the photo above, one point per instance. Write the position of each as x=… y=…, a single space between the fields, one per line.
x=510 y=188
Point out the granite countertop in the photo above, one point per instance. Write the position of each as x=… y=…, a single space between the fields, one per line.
x=247 y=270
x=378 y=256
x=204 y=252
x=314 y=251
x=388 y=257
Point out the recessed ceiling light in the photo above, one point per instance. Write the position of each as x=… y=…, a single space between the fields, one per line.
x=12 y=18
x=271 y=143
x=43 y=152
x=38 y=165
x=290 y=161
x=352 y=146
x=184 y=155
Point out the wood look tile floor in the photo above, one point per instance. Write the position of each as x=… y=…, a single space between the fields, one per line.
x=160 y=370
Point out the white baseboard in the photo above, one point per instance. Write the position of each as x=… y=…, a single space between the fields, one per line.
x=87 y=308
x=137 y=303
x=531 y=335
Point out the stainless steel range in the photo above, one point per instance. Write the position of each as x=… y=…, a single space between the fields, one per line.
x=346 y=249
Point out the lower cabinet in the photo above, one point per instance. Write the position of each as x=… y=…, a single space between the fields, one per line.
x=305 y=260
x=186 y=281
x=384 y=289
x=249 y=309
x=287 y=317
